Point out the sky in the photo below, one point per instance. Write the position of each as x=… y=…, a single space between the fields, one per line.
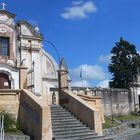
x=83 y=31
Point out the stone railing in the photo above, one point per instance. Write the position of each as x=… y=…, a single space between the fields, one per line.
x=32 y=112
x=116 y=102
x=95 y=102
x=82 y=110
x=34 y=116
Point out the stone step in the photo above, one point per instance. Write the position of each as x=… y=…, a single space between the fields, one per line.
x=60 y=113
x=83 y=131
x=62 y=118
x=72 y=129
x=76 y=134
x=65 y=120
x=92 y=138
x=78 y=137
x=56 y=107
x=67 y=125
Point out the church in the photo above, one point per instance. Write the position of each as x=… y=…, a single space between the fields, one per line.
x=29 y=77
x=21 y=47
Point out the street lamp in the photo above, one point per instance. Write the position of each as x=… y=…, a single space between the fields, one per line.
x=55 y=48
x=59 y=64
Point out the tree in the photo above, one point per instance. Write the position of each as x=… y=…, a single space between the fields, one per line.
x=125 y=62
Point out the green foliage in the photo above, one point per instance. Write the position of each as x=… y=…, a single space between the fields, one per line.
x=109 y=123
x=10 y=123
x=129 y=117
x=124 y=64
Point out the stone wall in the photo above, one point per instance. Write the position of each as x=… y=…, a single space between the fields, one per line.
x=16 y=137
x=115 y=101
x=9 y=101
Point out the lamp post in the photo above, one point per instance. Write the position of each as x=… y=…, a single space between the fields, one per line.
x=55 y=48
x=59 y=64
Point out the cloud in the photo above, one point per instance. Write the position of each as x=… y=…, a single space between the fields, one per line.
x=89 y=72
x=105 y=58
x=83 y=83
x=103 y=84
x=77 y=2
x=79 y=10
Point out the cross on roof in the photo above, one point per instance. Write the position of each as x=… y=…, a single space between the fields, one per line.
x=3 y=6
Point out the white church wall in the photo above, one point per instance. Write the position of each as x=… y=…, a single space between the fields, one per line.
x=25 y=31
x=10 y=20
x=44 y=89
x=49 y=66
x=37 y=72
x=138 y=90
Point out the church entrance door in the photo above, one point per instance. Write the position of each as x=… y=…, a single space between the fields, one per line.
x=4 y=81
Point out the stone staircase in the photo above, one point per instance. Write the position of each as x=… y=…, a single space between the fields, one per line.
x=67 y=127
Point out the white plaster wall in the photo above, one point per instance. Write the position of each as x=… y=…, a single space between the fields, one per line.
x=138 y=90
x=27 y=56
x=49 y=75
x=45 y=67
x=4 y=18
x=25 y=31
x=50 y=70
x=37 y=72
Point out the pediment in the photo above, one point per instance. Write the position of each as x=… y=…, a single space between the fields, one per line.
x=26 y=31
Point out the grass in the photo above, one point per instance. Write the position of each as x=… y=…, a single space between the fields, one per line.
x=109 y=123
x=129 y=117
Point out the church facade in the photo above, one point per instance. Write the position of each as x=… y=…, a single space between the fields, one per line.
x=21 y=48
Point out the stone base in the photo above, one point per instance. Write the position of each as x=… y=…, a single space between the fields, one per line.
x=16 y=137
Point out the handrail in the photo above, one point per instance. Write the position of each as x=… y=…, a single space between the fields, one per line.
x=2 y=132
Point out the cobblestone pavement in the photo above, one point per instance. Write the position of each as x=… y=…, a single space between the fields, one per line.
x=136 y=137
x=129 y=134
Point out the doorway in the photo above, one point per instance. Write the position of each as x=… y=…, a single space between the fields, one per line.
x=5 y=83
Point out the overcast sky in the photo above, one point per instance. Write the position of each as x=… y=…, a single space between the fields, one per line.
x=84 y=31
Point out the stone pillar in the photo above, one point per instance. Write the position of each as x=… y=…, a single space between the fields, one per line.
x=63 y=76
x=22 y=78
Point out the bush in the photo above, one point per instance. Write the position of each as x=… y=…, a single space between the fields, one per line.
x=10 y=123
